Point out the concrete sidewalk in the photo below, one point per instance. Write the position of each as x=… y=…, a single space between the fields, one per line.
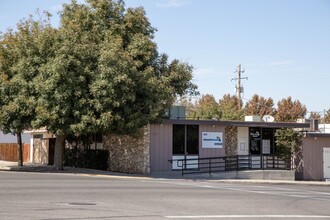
x=30 y=167
x=220 y=177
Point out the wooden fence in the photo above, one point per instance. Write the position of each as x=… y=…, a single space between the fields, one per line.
x=8 y=152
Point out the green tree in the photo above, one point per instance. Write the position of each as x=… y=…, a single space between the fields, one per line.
x=327 y=116
x=289 y=110
x=229 y=108
x=260 y=106
x=206 y=108
x=315 y=115
x=288 y=146
x=20 y=58
x=105 y=74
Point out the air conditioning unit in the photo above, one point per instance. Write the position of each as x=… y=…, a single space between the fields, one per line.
x=253 y=118
x=303 y=120
x=177 y=112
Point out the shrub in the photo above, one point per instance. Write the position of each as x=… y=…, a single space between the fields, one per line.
x=87 y=158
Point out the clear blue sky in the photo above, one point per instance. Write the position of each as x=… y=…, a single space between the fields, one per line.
x=283 y=45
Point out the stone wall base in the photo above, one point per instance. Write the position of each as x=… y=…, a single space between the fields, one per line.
x=129 y=154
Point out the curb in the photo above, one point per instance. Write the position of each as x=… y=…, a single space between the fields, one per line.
x=273 y=182
x=97 y=173
x=5 y=168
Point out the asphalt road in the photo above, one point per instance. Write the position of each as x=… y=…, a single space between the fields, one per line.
x=68 y=196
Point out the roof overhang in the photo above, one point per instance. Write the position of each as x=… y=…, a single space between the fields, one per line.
x=237 y=123
x=317 y=134
x=35 y=131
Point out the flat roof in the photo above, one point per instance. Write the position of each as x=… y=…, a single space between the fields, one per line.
x=317 y=134
x=237 y=123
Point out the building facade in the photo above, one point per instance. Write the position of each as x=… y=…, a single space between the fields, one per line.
x=158 y=147
x=316 y=156
x=173 y=140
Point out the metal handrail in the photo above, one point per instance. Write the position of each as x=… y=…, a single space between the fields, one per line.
x=231 y=163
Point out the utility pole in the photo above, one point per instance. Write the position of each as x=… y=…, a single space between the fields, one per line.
x=239 y=87
x=324 y=120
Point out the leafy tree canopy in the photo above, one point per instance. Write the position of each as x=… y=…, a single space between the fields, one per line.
x=229 y=108
x=288 y=143
x=21 y=55
x=289 y=110
x=327 y=116
x=106 y=73
x=315 y=115
x=100 y=71
x=259 y=105
x=206 y=108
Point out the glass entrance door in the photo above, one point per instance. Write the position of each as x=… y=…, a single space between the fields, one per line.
x=185 y=144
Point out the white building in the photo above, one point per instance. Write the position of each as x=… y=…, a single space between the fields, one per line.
x=324 y=128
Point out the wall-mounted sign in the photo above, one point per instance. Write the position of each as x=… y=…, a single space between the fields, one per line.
x=212 y=140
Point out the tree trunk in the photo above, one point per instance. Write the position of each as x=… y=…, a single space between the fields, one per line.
x=19 y=149
x=59 y=150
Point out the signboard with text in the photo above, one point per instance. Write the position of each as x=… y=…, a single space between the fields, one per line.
x=212 y=140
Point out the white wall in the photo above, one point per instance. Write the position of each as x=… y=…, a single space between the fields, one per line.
x=243 y=141
x=9 y=138
x=324 y=128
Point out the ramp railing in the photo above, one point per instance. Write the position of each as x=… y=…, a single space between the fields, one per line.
x=231 y=163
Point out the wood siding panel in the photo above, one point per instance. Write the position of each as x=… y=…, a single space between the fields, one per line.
x=160 y=147
x=161 y=137
x=313 y=157
x=209 y=152
x=8 y=152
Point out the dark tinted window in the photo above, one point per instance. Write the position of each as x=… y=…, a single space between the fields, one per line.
x=185 y=139
x=192 y=139
x=255 y=140
x=268 y=134
x=178 y=139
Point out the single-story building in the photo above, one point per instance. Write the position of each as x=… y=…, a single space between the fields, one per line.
x=159 y=146
x=178 y=139
x=42 y=145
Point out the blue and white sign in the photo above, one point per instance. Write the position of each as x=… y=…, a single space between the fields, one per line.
x=212 y=140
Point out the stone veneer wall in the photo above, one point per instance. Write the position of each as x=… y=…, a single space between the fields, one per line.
x=231 y=140
x=129 y=154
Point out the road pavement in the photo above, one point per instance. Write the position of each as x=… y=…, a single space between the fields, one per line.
x=46 y=196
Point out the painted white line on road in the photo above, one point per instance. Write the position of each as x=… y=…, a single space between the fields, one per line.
x=115 y=176
x=245 y=216
x=206 y=186
x=286 y=192
x=295 y=190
